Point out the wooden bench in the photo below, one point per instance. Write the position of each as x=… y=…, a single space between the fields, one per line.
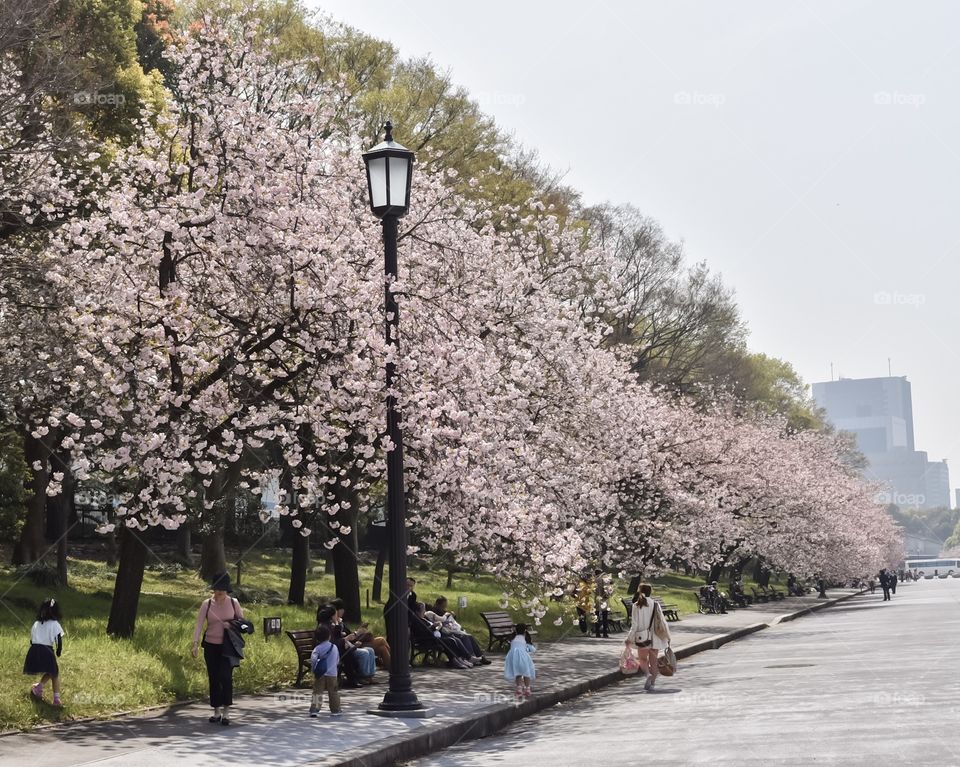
x=303 y=643
x=759 y=596
x=502 y=628
x=616 y=621
x=670 y=611
x=428 y=651
x=772 y=592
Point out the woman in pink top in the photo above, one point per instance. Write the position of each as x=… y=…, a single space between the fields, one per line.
x=217 y=612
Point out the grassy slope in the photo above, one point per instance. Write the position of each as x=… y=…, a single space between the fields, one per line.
x=101 y=675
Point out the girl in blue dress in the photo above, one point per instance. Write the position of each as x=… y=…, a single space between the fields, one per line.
x=519 y=666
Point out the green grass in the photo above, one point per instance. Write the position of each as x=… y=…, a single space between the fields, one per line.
x=101 y=675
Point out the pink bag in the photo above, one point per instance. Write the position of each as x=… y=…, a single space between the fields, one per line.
x=628 y=664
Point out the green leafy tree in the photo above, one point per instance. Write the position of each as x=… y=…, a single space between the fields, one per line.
x=13 y=478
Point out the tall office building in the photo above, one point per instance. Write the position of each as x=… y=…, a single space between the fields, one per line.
x=879 y=413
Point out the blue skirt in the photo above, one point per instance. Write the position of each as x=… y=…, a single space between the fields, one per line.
x=41 y=660
x=518 y=663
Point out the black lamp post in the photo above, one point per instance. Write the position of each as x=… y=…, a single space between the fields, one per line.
x=389 y=168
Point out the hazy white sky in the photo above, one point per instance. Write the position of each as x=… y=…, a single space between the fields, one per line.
x=809 y=151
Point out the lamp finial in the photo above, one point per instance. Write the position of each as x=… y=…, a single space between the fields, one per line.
x=389 y=131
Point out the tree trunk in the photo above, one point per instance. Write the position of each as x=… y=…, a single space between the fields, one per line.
x=634 y=584
x=32 y=542
x=378 y=574
x=347 y=575
x=126 y=588
x=299 y=562
x=184 y=545
x=716 y=570
x=213 y=556
x=450 y=572
x=758 y=569
x=62 y=507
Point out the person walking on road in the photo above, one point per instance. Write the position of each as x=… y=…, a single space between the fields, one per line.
x=893 y=581
x=603 y=588
x=217 y=612
x=884 y=578
x=518 y=666
x=649 y=632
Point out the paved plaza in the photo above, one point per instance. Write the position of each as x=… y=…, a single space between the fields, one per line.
x=862 y=683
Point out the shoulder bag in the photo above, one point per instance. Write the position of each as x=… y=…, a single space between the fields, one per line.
x=648 y=642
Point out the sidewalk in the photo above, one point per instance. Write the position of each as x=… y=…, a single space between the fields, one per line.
x=274 y=730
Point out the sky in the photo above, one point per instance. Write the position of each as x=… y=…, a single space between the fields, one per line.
x=808 y=151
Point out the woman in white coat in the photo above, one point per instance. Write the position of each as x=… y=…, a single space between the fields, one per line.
x=648 y=633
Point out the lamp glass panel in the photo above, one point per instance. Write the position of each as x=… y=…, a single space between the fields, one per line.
x=377 y=170
x=399 y=167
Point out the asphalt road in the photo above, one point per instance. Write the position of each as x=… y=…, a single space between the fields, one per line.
x=861 y=683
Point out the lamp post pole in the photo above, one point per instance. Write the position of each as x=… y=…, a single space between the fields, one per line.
x=393 y=199
x=400 y=696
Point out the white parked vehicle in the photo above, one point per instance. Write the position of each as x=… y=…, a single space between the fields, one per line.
x=934 y=568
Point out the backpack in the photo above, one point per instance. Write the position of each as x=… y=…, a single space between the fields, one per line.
x=320 y=666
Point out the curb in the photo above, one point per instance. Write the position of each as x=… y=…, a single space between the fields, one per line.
x=493 y=718
x=133 y=712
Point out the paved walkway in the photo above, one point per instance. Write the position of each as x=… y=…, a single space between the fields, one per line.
x=274 y=730
x=864 y=683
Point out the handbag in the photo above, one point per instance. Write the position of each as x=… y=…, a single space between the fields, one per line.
x=648 y=642
x=628 y=664
x=667 y=663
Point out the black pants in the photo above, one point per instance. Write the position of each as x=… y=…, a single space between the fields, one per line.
x=603 y=627
x=472 y=645
x=886 y=593
x=582 y=619
x=455 y=647
x=219 y=674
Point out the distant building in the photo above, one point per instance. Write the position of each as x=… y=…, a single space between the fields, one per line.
x=879 y=413
x=917 y=547
x=956 y=498
x=938 y=485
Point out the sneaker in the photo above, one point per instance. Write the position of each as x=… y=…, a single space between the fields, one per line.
x=215 y=719
x=314 y=713
x=37 y=691
x=484 y=660
x=334 y=714
x=224 y=721
x=57 y=703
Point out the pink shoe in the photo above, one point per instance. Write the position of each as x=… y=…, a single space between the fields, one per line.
x=57 y=703
x=527 y=693
x=37 y=691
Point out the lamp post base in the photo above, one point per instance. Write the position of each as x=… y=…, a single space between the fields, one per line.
x=415 y=713
x=402 y=703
